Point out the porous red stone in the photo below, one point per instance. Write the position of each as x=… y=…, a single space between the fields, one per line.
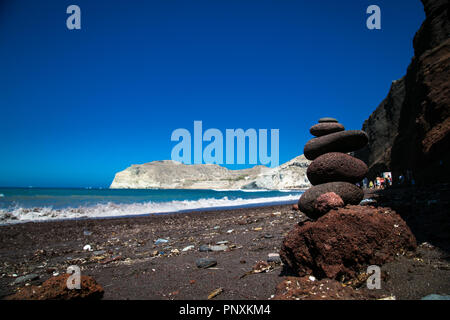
x=336 y=166
x=325 y=128
x=346 y=241
x=343 y=141
x=350 y=194
x=326 y=202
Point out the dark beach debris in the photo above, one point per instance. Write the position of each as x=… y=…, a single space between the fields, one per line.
x=260 y=267
x=204 y=263
x=99 y=252
x=26 y=278
x=274 y=257
x=436 y=297
x=188 y=248
x=160 y=241
x=204 y=248
x=215 y=293
x=219 y=248
x=113 y=258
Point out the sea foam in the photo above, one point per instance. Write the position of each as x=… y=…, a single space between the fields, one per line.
x=19 y=214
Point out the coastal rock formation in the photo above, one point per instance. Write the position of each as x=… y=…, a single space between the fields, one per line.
x=170 y=174
x=410 y=130
x=382 y=129
x=344 y=141
x=332 y=170
x=55 y=288
x=345 y=241
x=336 y=166
x=349 y=193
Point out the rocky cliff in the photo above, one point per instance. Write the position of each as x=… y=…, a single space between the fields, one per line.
x=410 y=130
x=170 y=174
x=382 y=129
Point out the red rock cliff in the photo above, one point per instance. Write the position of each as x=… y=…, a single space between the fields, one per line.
x=410 y=130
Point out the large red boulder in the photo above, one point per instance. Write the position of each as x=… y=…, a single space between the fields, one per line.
x=346 y=241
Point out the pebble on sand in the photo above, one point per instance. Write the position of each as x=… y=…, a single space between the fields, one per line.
x=204 y=263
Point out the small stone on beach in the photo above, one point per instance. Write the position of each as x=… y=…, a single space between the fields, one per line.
x=187 y=248
x=204 y=263
x=159 y=241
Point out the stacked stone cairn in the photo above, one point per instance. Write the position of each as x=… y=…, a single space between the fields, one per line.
x=332 y=172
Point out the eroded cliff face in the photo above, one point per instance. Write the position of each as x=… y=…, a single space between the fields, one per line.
x=382 y=129
x=170 y=174
x=419 y=139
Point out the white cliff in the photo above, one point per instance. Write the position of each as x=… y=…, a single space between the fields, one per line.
x=168 y=174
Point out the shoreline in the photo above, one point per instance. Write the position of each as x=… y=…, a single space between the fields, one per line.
x=183 y=211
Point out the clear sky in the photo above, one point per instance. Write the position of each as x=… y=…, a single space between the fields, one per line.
x=76 y=106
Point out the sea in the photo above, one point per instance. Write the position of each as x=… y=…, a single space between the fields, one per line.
x=45 y=204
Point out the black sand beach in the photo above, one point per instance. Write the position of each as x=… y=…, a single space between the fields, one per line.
x=127 y=263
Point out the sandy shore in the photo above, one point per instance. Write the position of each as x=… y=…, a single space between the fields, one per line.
x=129 y=265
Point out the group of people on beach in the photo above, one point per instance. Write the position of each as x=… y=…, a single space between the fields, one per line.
x=379 y=183
x=384 y=180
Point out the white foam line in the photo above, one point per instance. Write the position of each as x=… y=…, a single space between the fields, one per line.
x=20 y=214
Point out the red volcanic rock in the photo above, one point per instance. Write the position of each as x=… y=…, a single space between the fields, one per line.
x=345 y=242
x=336 y=166
x=56 y=289
x=343 y=141
x=327 y=201
x=325 y=128
x=349 y=193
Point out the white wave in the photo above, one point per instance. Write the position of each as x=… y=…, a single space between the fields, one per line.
x=1 y=195
x=20 y=214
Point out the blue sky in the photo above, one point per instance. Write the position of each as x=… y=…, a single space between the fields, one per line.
x=77 y=106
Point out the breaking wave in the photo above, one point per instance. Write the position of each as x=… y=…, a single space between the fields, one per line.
x=19 y=214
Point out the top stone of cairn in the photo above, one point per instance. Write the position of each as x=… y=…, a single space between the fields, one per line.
x=326 y=119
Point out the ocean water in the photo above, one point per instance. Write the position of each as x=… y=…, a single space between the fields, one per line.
x=41 y=204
